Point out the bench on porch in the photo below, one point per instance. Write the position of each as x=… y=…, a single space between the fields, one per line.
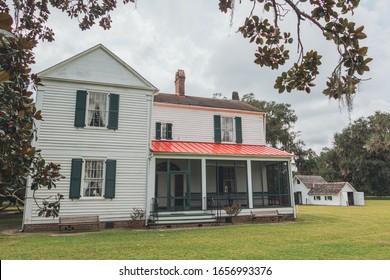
x=71 y=223
x=272 y=214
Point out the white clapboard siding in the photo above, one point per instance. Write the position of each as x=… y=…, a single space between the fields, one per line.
x=60 y=141
x=192 y=124
x=57 y=131
x=130 y=192
x=96 y=69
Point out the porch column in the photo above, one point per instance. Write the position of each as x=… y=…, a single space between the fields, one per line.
x=204 y=187
x=290 y=186
x=250 y=189
x=150 y=186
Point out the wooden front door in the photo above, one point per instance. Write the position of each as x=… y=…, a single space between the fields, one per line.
x=350 y=199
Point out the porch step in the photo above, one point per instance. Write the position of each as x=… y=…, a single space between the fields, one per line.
x=181 y=218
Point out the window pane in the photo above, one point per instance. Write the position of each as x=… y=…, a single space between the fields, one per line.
x=97 y=109
x=163 y=131
x=227 y=129
x=93 y=178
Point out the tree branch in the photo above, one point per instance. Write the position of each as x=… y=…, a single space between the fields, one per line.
x=302 y=15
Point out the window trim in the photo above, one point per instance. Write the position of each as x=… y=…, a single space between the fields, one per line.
x=163 y=130
x=82 y=183
x=236 y=132
x=233 y=140
x=89 y=92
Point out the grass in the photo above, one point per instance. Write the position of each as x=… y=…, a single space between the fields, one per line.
x=320 y=232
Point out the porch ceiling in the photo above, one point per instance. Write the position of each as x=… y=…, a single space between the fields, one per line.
x=202 y=148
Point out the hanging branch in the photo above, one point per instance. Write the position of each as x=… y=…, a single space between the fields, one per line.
x=329 y=16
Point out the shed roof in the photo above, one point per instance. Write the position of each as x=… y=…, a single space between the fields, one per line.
x=310 y=180
x=327 y=188
x=206 y=148
x=205 y=102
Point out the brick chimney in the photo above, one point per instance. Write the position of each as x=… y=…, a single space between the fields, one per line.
x=179 y=82
x=235 y=96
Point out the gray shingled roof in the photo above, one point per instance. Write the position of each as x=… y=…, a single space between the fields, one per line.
x=205 y=102
x=310 y=180
x=327 y=188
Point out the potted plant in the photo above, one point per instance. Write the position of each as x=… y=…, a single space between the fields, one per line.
x=232 y=210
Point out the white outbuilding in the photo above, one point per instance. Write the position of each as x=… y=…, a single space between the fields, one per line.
x=315 y=190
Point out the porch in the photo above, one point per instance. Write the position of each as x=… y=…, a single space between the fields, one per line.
x=186 y=188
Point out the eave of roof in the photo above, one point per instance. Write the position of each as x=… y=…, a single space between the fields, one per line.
x=205 y=102
x=215 y=149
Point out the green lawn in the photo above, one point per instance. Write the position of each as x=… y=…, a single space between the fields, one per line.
x=319 y=233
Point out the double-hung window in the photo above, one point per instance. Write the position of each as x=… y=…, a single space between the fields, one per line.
x=164 y=131
x=227 y=129
x=96 y=109
x=92 y=178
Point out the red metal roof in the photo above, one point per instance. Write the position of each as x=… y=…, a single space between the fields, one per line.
x=201 y=148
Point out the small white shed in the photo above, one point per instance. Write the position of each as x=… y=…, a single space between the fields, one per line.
x=315 y=190
x=302 y=184
x=337 y=194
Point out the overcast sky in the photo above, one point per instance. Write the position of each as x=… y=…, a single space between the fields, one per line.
x=159 y=37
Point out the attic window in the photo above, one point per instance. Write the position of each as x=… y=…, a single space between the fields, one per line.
x=298 y=182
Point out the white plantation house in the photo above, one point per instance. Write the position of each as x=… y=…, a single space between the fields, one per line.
x=309 y=189
x=122 y=145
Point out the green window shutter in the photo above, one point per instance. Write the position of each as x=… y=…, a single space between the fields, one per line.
x=169 y=131
x=109 y=190
x=158 y=130
x=238 y=130
x=81 y=105
x=217 y=128
x=75 y=178
x=113 y=111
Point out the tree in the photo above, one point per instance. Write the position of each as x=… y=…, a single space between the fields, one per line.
x=361 y=154
x=305 y=159
x=280 y=123
x=262 y=27
x=18 y=114
x=19 y=159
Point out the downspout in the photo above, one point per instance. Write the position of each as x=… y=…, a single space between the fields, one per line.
x=265 y=128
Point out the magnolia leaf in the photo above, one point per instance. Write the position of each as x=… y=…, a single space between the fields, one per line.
x=4 y=76
x=38 y=115
x=6 y=33
x=6 y=21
